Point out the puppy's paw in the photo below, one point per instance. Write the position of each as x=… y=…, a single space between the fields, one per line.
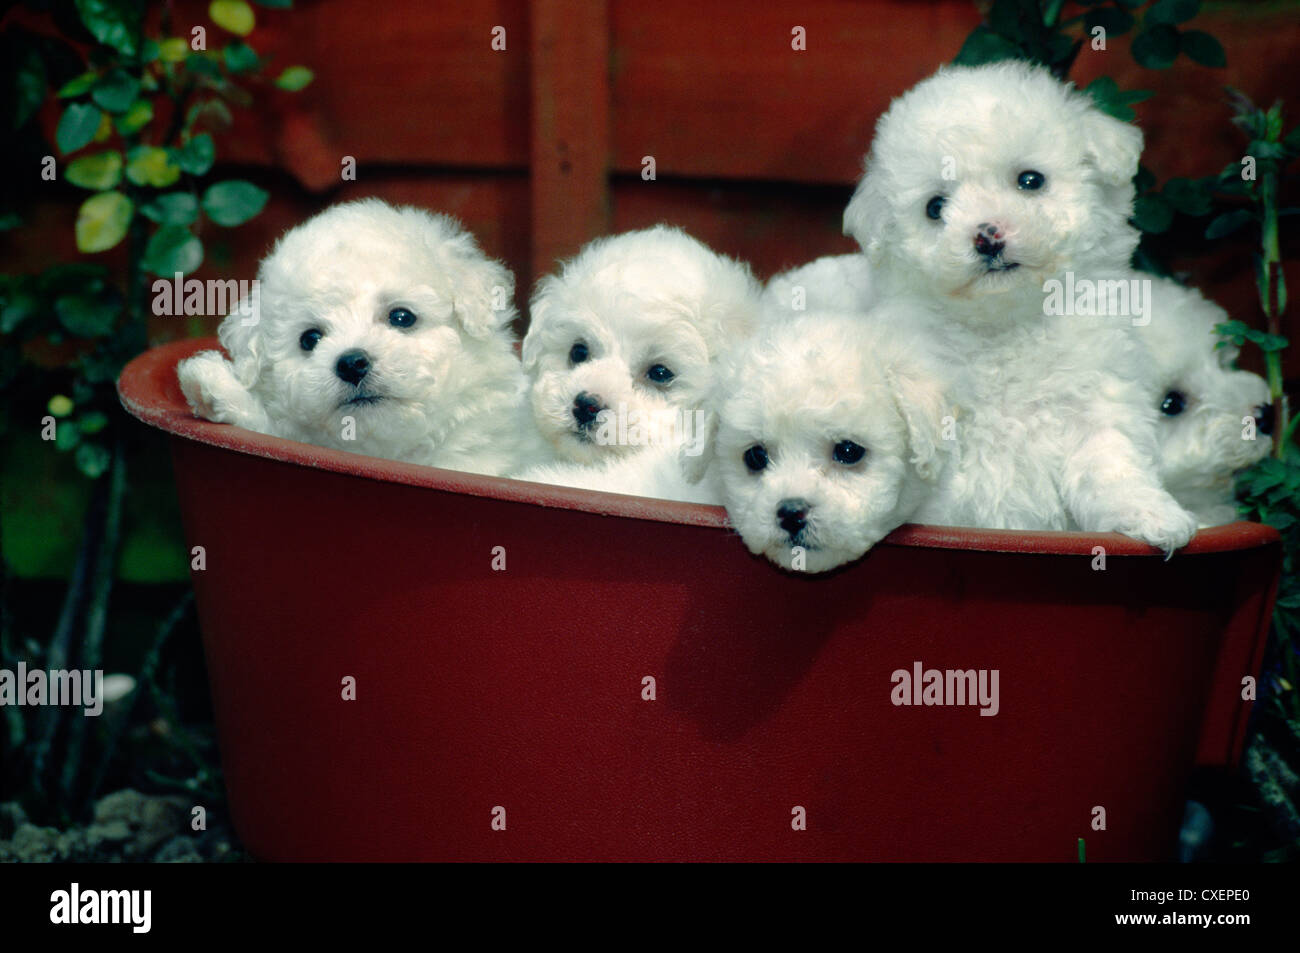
x=1160 y=522
x=214 y=393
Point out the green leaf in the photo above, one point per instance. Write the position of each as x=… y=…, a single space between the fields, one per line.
x=985 y=46
x=66 y=435
x=233 y=202
x=87 y=315
x=1156 y=48
x=92 y=422
x=198 y=154
x=240 y=57
x=60 y=405
x=137 y=116
x=295 y=78
x=236 y=16
x=1227 y=223
x=92 y=460
x=1263 y=149
x=18 y=307
x=1151 y=213
x=171 y=208
x=114 y=23
x=1292 y=141
x=77 y=127
x=116 y=91
x=172 y=249
x=77 y=86
x=1188 y=196
x=102 y=170
x=102 y=221
x=150 y=165
x=275 y=4
x=1202 y=48
x=1144 y=179
x=1172 y=11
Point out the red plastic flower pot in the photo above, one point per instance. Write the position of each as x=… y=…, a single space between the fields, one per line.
x=632 y=684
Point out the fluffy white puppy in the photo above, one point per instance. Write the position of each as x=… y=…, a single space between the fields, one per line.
x=380 y=330
x=829 y=435
x=983 y=184
x=1214 y=419
x=621 y=343
x=832 y=283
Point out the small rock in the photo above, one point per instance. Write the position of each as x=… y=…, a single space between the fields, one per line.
x=179 y=850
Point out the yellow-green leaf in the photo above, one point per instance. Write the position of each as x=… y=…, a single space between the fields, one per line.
x=103 y=170
x=60 y=405
x=174 y=49
x=102 y=221
x=135 y=118
x=150 y=165
x=295 y=78
x=233 y=15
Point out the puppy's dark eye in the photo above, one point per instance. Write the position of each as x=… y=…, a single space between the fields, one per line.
x=659 y=374
x=577 y=353
x=1031 y=181
x=934 y=208
x=310 y=338
x=401 y=317
x=1173 y=404
x=756 y=457
x=848 y=453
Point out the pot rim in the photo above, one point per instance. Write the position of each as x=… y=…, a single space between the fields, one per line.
x=150 y=392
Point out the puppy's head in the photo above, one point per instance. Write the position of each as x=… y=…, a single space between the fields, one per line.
x=986 y=180
x=369 y=322
x=828 y=436
x=1214 y=419
x=621 y=342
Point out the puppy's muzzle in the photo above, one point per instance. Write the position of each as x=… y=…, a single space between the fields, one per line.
x=989 y=241
x=792 y=516
x=1264 y=418
x=353 y=366
x=586 y=407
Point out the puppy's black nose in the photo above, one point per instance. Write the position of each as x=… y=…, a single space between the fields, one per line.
x=1264 y=419
x=585 y=408
x=988 y=240
x=793 y=515
x=353 y=366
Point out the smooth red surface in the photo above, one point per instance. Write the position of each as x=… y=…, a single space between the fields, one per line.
x=523 y=688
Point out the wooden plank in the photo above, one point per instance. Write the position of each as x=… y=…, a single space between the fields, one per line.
x=715 y=90
x=570 y=127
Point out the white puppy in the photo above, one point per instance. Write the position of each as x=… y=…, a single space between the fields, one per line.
x=829 y=435
x=832 y=283
x=380 y=330
x=984 y=184
x=1215 y=419
x=621 y=344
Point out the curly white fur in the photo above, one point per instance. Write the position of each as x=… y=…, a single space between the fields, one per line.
x=803 y=387
x=637 y=304
x=1060 y=433
x=1211 y=413
x=446 y=391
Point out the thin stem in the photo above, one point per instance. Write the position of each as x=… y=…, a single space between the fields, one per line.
x=97 y=609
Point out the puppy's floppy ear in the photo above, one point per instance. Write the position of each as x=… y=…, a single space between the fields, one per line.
x=241 y=335
x=866 y=217
x=538 y=308
x=483 y=293
x=922 y=401
x=1113 y=146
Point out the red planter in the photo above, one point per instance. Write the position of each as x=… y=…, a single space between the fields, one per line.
x=522 y=689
